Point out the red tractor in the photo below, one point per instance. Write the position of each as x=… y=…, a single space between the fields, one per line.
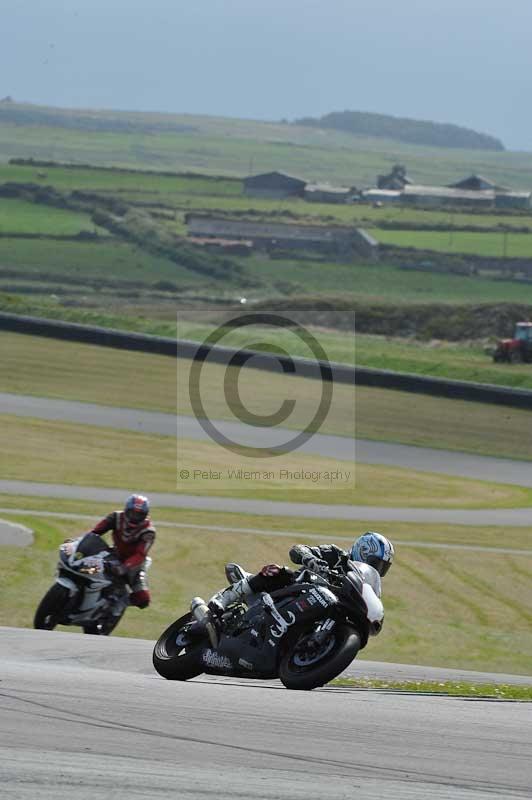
x=518 y=349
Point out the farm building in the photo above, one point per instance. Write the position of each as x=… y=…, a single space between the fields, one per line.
x=433 y=196
x=382 y=196
x=397 y=179
x=274 y=185
x=335 y=241
x=503 y=198
x=475 y=183
x=323 y=193
x=234 y=247
x=513 y=200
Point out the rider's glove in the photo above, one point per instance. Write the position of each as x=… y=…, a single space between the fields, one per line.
x=317 y=565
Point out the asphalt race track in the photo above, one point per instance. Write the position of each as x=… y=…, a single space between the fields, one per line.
x=509 y=517
x=88 y=718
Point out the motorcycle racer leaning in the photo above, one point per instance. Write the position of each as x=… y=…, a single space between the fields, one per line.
x=133 y=535
x=372 y=553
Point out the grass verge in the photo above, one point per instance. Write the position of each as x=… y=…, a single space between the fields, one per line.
x=497 y=691
x=72 y=371
x=467 y=361
x=404 y=534
x=62 y=452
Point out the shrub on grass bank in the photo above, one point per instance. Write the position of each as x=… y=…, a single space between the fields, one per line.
x=140 y=228
x=420 y=320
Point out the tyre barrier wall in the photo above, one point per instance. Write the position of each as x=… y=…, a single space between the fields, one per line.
x=339 y=373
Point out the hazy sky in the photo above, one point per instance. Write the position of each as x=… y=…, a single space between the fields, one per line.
x=462 y=61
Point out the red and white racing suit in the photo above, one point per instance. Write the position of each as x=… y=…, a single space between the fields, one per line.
x=131 y=545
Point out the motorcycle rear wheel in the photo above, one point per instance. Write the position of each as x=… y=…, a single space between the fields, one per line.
x=306 y=668
x=178 y=660
x=49 y=609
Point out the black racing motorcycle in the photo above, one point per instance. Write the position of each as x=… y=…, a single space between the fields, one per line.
x=305 y=634
x=84 y=593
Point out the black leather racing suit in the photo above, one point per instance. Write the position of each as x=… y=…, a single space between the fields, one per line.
x=304 y=554
x=269 y=579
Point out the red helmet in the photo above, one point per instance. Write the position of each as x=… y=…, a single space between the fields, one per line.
x=136 y=510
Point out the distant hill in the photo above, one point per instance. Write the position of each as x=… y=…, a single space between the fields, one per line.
x=412 y=131
x=90 y=120
x=172 y=142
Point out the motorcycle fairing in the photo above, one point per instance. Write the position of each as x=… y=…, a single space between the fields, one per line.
x=87 y=590
x=256 y=644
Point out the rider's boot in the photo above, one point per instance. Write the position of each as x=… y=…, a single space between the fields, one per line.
x=235 y=593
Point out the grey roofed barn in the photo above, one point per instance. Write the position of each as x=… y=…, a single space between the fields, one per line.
x=449 y=196
x=323 y=193
x=336 y=240
x=445 y=195
x=513 y=200
x=476 y=183
x=382 y=195
x=274 y=184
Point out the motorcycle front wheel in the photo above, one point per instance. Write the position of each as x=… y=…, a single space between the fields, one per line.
x=307 y=664
x=49 y=610
x=176 y=656
x=104 y=627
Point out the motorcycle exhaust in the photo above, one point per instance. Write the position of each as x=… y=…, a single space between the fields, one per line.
x=201 y=613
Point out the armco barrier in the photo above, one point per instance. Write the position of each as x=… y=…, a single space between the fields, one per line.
x=340 y=373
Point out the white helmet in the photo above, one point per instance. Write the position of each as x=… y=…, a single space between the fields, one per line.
x=374 y=549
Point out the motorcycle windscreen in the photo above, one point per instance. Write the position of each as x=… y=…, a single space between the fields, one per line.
x=91 y=545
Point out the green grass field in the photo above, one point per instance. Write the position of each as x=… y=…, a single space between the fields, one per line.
x=51 y=368
x=115 y=182
x=501 y=245
x=44 y=268
x=20 y=216
x=441 y=359
x=216 y=194
x=451 y=608
x=116 y=260
x=379 y=282
x=458 y=361
x=276 y=277
x=113 y=260
x=62 y=452
x=360 y=214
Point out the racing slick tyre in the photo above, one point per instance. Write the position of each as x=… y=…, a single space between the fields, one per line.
x=307 y=664
x=176 y=656
x=50 y=608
